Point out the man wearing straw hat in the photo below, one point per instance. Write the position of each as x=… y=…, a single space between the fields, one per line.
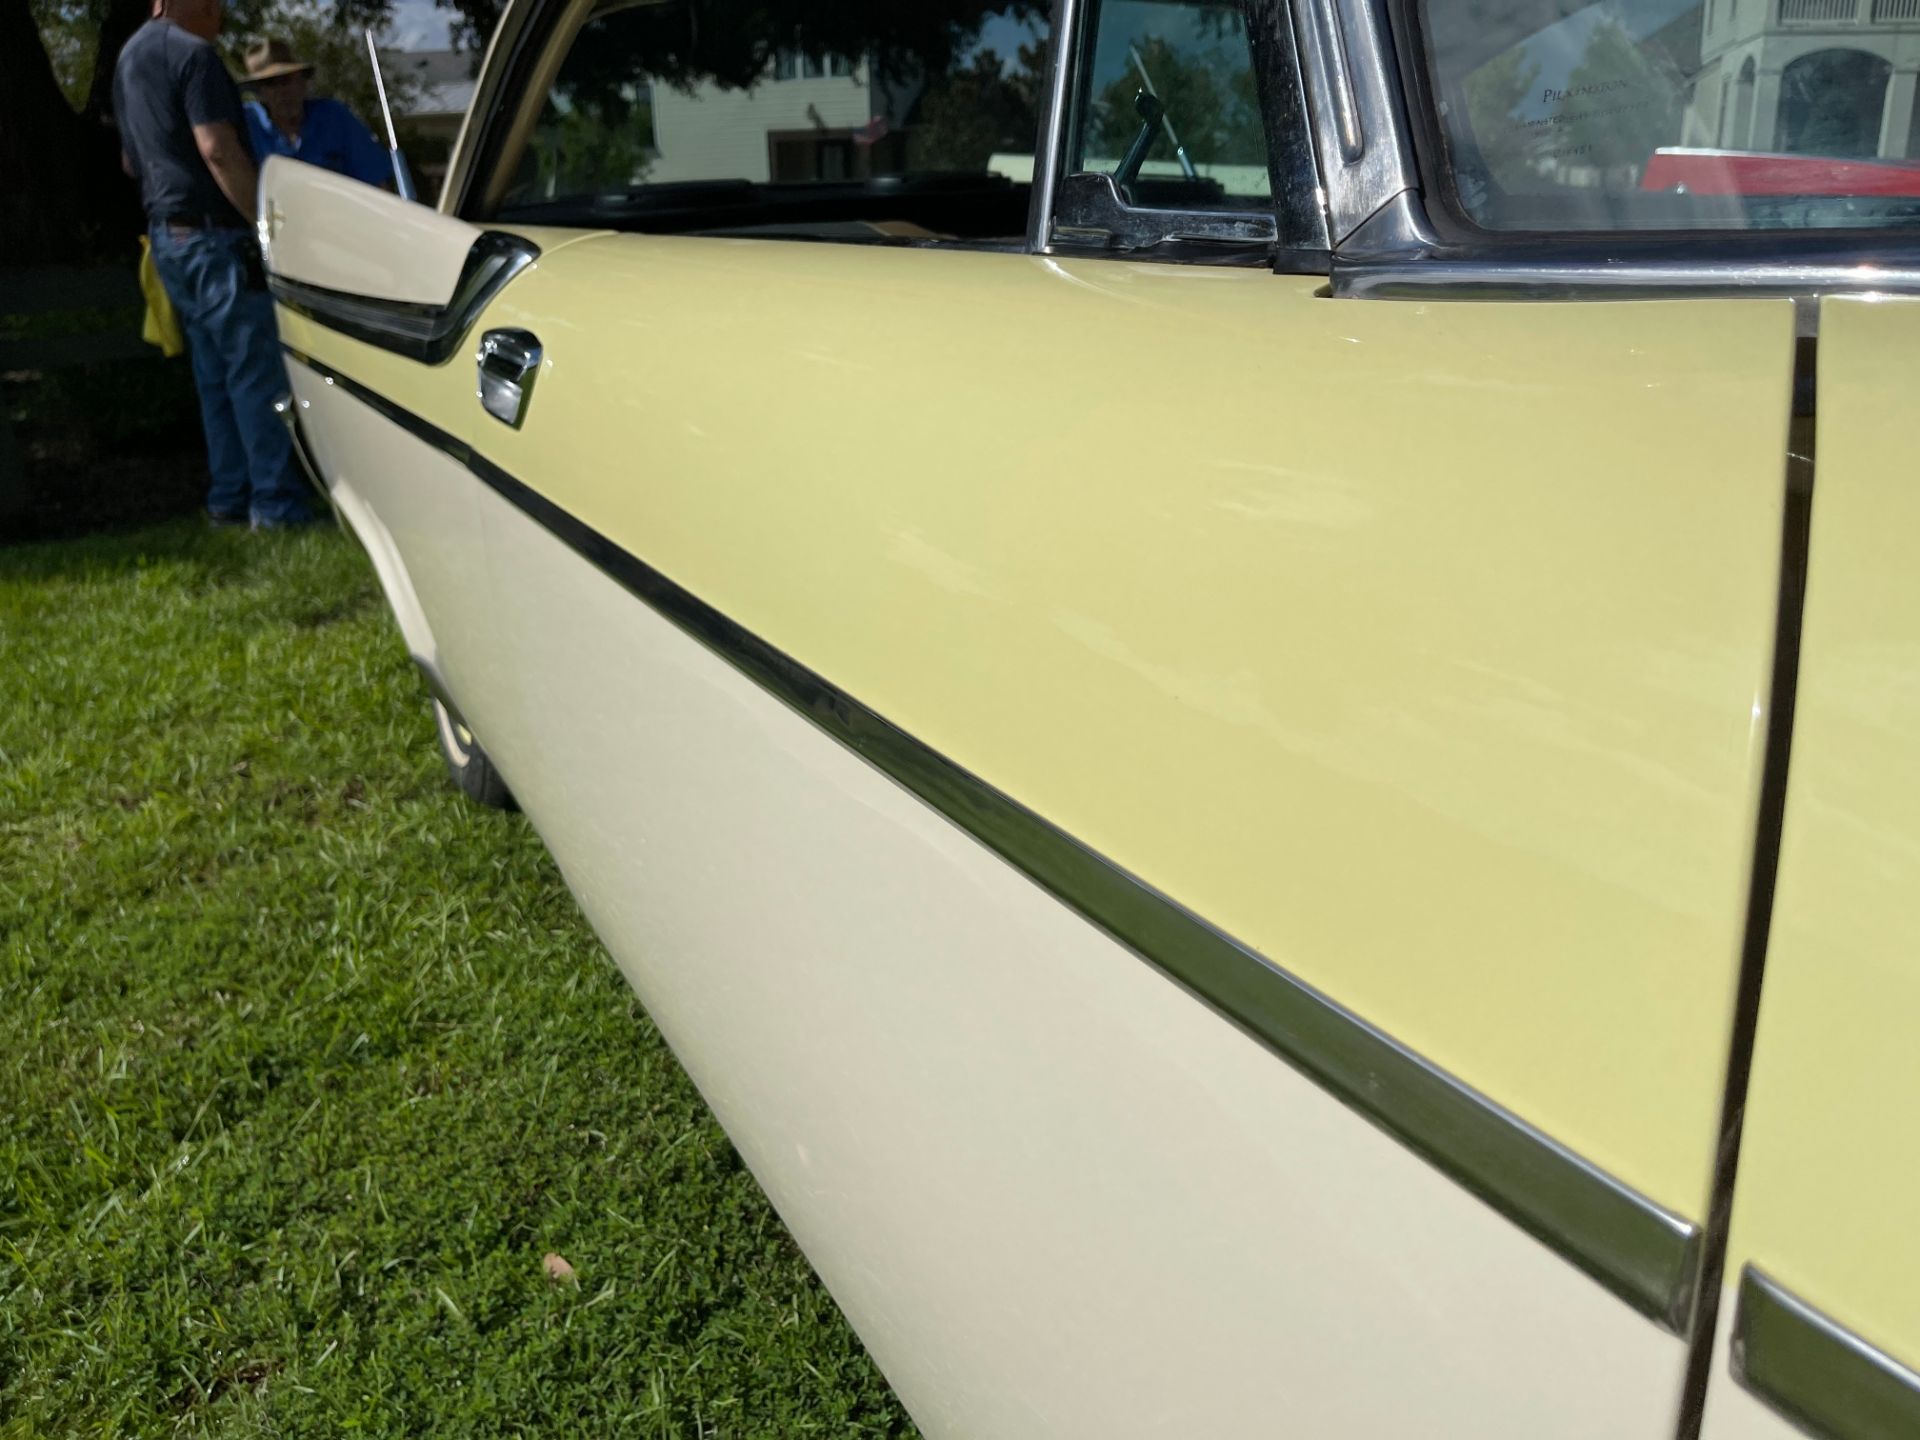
x=283 y=120
x=183 y=137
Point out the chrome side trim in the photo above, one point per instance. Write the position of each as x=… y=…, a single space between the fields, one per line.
x=431 y=334
x=1396 y=255
x=1815 y=1372
x=1640 y=1251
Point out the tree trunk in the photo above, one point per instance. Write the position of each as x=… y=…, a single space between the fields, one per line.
x=62 y=194
x=123 y=17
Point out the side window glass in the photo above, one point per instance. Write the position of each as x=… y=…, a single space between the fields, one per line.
x=1169 y=107
x=1570 y=115
x=910 y=123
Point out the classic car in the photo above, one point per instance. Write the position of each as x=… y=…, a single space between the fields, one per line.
x=1254 y=722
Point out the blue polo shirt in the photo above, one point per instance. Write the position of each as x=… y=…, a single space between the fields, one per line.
x=330 y=137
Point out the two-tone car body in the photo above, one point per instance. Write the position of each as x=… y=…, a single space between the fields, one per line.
x=1251 y=718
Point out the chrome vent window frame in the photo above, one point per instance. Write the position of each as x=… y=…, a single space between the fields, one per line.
x=1292 y=228
x=1400 y=235
x=1350 y=78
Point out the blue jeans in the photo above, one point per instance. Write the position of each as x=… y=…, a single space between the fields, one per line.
x=238 y=372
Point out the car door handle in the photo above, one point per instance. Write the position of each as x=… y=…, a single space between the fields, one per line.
x=508 y=361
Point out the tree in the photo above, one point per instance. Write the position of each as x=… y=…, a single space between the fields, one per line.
x=337 y=53
x=1209 y=101
x=1508 y=146
x=61 y=190
x=732 y=42
x=969 y=115
x=62 y=193
x=1622 y=104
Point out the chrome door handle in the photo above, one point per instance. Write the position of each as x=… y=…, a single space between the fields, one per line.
x=508 y=361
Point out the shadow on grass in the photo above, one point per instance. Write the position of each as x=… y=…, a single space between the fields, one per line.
x=205 y=557
x=110 y=446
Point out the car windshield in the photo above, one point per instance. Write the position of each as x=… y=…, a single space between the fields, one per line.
x=807 y=120
x=1673 y=114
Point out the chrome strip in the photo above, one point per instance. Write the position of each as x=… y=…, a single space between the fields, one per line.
x=1641 y=1252
x=1343 y=108
x=1818 y=1374
x=431 y=334
x=1397 y=256
x=1493 y=279
x=1347 y=65
x=1048 y=160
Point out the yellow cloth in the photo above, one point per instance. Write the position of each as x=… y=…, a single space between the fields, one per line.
x=161 y=326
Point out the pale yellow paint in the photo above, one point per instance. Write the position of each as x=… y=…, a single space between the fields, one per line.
x=1419 y=646
x=1830 y=1163
x=1058 y=1199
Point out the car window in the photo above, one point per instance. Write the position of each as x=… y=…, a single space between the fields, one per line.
x=1167 y=103
x=1674 y=114
x=914 y=123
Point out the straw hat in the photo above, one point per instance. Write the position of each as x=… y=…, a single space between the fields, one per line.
x=271 y=58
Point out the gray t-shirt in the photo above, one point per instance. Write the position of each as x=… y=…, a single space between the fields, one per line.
x=167 y=82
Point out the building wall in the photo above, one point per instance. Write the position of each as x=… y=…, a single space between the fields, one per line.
x=716 y=134
x=1748 y=117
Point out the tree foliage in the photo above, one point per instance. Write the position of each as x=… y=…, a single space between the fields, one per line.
x=1626 y=103
x=60 y=186
x=732 y=42
x=62 y=195
x=1210 y=100
x=1496 y=93
x=337 y=53
x=976 y=111
x=606 y=145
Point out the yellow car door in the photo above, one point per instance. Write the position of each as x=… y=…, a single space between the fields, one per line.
x=1164 y=640
x=383 y=289
x=1393 y=678
x=1822 y=1326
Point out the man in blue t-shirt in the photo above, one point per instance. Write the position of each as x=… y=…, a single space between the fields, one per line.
x=183 y=136
x=283 y=120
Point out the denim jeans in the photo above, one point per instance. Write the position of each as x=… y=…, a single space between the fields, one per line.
x=238 y=372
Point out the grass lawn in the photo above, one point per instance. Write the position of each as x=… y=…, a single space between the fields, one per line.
x=306 y=1063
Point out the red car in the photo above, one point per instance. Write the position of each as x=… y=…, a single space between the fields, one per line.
x=1747 y=172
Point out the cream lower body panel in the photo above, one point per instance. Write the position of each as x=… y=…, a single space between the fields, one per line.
x=414 y=510
x=1056 y=1195
x=1736 y=1414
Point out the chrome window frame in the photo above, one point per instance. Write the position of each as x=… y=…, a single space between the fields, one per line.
x=1380 y=155
x=1298 y=211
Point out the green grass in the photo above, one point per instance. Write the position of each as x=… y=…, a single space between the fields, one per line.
x=306 y=1063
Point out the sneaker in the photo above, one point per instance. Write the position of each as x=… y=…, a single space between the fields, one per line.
x=220 y=520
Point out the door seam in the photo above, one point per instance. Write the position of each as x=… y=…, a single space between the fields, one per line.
x=1782 y=688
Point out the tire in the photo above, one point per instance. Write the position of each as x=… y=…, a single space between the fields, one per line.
x=472 y=771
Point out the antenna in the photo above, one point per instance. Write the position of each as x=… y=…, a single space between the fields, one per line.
x=402 y=178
